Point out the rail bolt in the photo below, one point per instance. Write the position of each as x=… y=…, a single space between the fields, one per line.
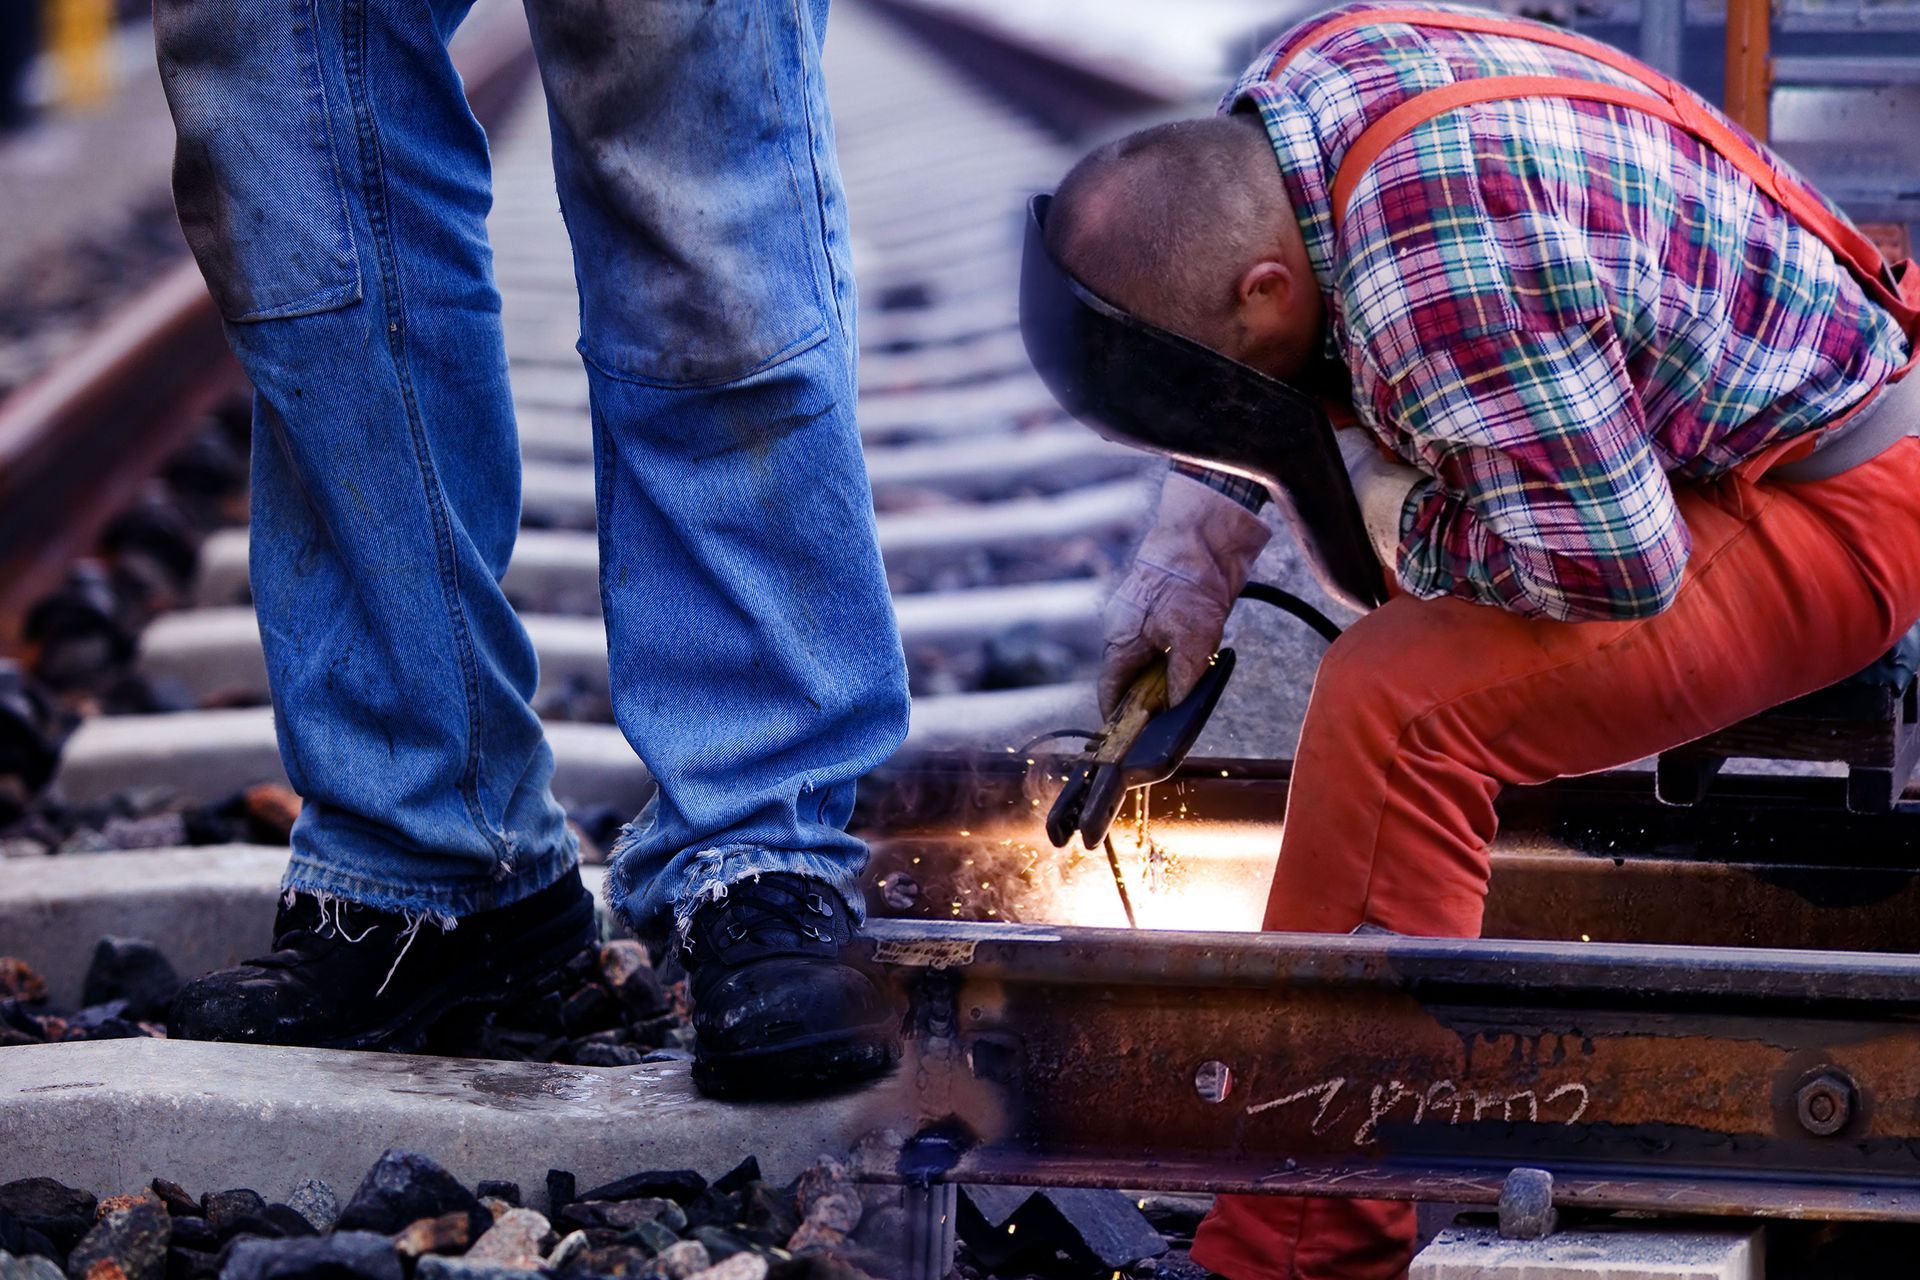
x=1213 y=1080
x=1825 y=1104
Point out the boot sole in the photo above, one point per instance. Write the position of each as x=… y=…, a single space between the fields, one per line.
x=802 y=1068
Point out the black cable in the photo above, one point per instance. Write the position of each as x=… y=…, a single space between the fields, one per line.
x=1267 y=593
x=1056 y=735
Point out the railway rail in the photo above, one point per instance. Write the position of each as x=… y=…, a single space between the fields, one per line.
x=1636 y=1023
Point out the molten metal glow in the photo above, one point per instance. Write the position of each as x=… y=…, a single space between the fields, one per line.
x=1204 y=877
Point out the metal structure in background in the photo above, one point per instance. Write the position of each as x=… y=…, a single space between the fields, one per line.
x=1843 y=110
x=1749 y=65
x=1662 y=24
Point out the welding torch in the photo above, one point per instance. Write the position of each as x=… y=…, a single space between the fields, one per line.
x=1145 y=741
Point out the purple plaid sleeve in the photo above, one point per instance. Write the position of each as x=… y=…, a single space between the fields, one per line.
x=1548 y=499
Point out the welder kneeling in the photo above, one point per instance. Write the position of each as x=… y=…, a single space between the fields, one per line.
x=1614 y=371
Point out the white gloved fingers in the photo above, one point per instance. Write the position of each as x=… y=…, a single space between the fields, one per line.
x=1186 y=625
x=1187 y=661
x=1159 y=613
x=1357 y=445
x=1125 y=651
x=1185 y=577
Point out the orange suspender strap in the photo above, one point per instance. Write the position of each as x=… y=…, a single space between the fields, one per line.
x=1674 y=104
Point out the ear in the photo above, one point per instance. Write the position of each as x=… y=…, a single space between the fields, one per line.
x=1277 y=316
x=1267 y=284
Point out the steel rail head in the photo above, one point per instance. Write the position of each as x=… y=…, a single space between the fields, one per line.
x=1474 y=969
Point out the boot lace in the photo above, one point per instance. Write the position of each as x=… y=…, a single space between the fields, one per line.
x=772 y=915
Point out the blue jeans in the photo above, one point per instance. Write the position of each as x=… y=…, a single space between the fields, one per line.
x=334 y=187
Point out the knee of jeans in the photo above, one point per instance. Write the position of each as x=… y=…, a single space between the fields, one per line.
x=693 y=280
x=257 y=182
x=704 y=231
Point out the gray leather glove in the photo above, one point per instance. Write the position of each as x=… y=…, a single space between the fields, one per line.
x=1176 y=598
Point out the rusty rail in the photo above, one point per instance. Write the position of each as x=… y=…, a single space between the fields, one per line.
x=1728 y=1076
x=78 y=442
x=1701 y=1080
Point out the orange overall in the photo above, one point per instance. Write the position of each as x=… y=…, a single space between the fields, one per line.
x=1425 y=709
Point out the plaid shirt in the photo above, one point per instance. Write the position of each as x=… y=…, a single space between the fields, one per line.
x=1554 y=310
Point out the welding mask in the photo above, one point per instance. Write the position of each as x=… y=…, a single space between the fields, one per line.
x=1144 y=386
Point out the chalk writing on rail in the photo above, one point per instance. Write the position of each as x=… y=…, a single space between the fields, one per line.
x=1338 y=1101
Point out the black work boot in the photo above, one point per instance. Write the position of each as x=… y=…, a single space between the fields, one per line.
x=345 y=976
x=776 y=1012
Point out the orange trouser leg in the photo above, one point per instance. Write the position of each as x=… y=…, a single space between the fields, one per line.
x=1425 y=708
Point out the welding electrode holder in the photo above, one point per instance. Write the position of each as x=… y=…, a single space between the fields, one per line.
x=1144 y=742
x=1141 y=385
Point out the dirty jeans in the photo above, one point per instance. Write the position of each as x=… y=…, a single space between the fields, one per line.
x=334 y=186
x=1425 y=709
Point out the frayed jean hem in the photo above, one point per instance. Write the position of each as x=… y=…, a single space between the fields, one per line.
x=306 y=874
x=702 y=876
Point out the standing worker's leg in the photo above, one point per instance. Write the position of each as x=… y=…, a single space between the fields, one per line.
x=1425 y=709
x=333 y=185
x=755 y=663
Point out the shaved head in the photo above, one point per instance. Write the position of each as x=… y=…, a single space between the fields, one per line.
x=1163 y=223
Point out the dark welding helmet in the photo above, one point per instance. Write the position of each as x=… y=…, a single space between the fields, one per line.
x=1143 y=386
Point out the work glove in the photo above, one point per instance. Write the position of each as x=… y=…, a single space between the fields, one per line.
x=1183 y=583
x=1381 y=487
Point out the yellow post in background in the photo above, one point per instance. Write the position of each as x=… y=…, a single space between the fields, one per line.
x=80 y=36
x=1750 y=64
